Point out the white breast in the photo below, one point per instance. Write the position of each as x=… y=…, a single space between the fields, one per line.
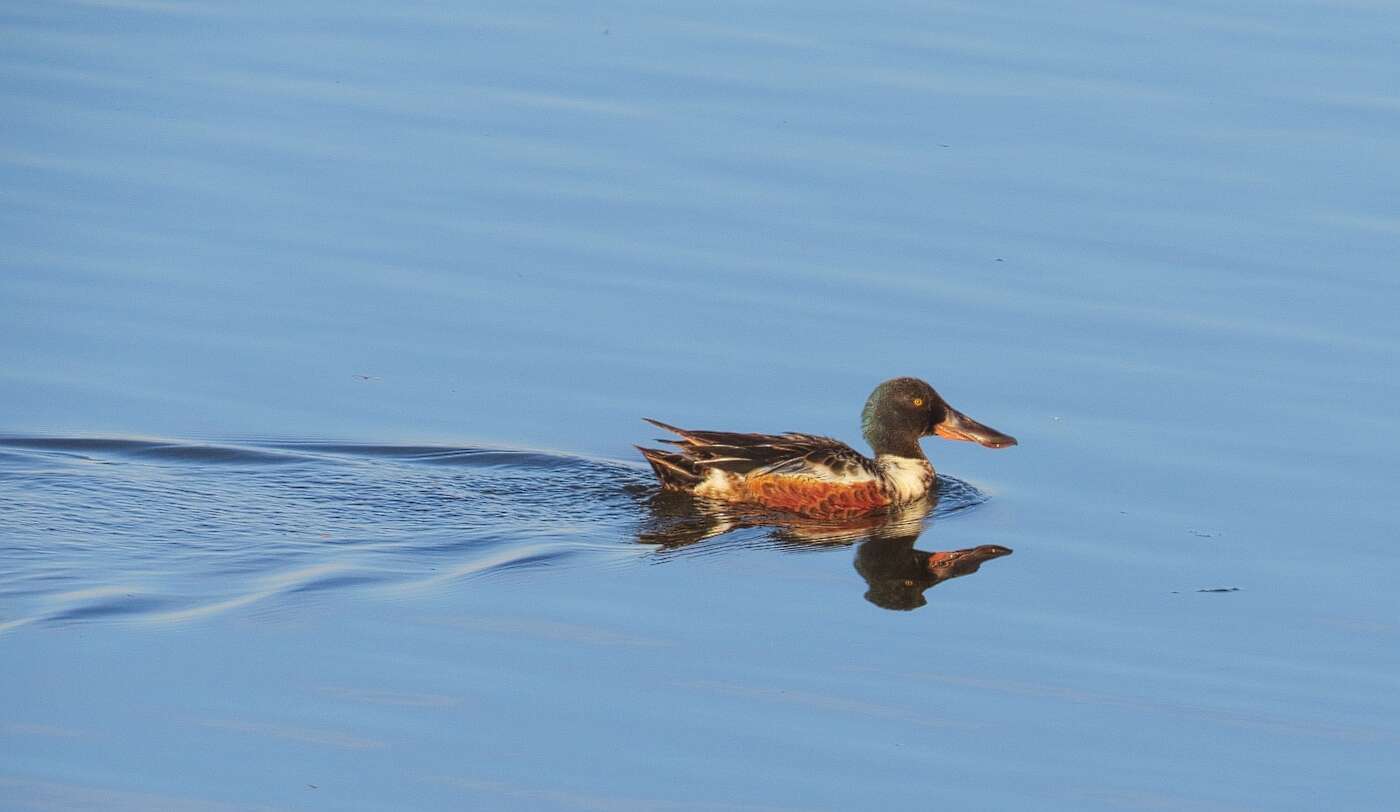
x=909 y=479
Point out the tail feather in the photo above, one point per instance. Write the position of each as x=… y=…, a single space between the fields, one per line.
x=666 y=427
x=675 y=471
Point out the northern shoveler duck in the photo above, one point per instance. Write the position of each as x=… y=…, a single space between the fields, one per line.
x=818 y=476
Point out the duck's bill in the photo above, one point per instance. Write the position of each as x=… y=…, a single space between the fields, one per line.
x=958 y=426
x=964 y=562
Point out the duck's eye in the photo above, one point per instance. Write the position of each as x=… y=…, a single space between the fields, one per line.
x=918 y=401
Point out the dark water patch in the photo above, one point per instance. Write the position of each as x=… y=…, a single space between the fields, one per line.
x=214 y=455
x=534 y=560
x=97 y=448
x=11 y=458
x=488 y=457
x=452 y=544
x=80 y=444
x=335 y=581
x=451 y=455
x=358 y=449
x=110 y=607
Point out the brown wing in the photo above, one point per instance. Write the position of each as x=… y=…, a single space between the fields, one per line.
x=755 y=455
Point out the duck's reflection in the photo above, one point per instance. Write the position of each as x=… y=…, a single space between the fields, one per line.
x=896 y=574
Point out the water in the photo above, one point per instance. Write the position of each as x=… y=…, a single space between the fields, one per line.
x=191 y=530
x=325 y=334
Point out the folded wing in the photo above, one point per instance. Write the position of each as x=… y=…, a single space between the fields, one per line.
x=790 y=454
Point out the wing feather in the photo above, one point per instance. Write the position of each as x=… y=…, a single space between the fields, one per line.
x=808 y=456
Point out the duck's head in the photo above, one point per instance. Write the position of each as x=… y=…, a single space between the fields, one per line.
x=902 y=410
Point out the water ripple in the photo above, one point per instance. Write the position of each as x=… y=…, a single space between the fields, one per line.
x=156 y=531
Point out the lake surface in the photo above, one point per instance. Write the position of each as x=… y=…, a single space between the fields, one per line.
x=325 y=333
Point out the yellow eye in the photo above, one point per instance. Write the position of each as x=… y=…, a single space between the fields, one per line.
x=918 y=401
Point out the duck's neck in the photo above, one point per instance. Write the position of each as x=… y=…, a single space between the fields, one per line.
x=887 y=443
x=888 y=431
x=907 y=478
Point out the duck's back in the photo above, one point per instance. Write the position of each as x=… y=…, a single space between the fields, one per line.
x=800 y=473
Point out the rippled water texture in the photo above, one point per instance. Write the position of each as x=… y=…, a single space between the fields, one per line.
x=160 y=532
x=326 y=332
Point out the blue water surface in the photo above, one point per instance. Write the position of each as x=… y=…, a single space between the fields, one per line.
x=325 y=330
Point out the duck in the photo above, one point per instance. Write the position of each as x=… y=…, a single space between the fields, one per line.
x=820 y=477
